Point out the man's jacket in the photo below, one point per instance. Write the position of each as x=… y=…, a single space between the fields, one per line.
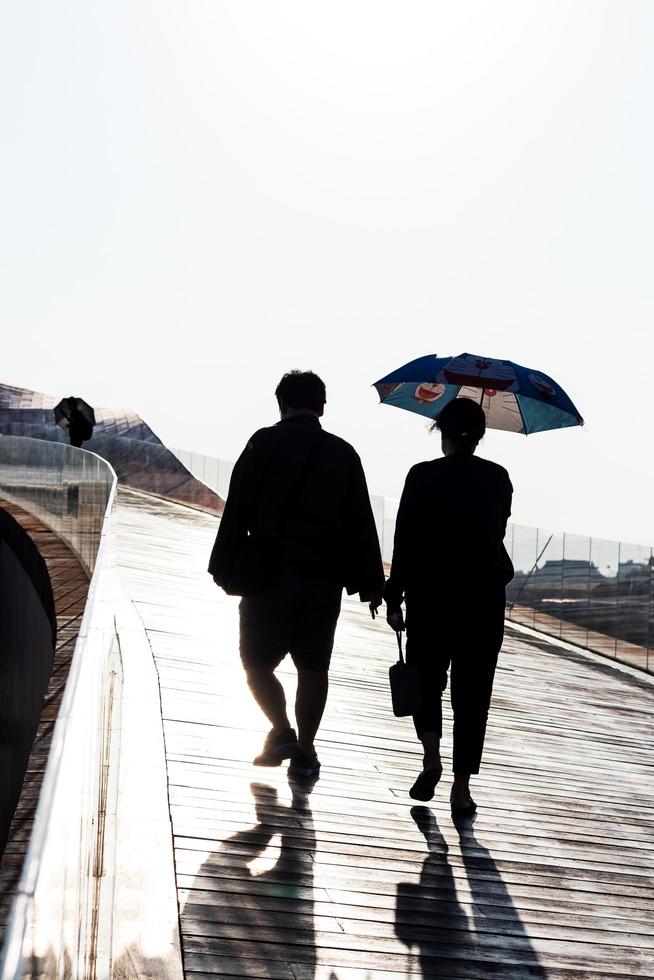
x=329 y=533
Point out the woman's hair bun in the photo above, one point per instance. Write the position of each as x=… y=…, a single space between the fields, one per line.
x=463 y=421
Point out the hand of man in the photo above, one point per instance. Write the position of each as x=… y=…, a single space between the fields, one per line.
x=374 y=605
x=395 y=620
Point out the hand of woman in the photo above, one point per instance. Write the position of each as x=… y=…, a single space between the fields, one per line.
x=395 y=620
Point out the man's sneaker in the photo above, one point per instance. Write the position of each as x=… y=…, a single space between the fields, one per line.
x=304 y=765
x=277 y=747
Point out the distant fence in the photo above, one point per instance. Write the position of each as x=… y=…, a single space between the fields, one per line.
x=597 y=594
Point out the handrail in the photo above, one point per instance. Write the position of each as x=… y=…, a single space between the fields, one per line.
x=52 y=922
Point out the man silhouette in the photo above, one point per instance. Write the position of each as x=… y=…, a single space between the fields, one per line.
x=306 y=490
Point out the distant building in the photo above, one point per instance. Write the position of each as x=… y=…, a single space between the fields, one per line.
x=635 y=577
x=565 y=577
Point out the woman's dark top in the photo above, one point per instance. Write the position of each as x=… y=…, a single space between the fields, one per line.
x=450 y=528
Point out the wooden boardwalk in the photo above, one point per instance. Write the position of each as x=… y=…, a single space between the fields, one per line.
x=554 y=879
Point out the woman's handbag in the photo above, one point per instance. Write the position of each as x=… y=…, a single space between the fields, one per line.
x=405 y=686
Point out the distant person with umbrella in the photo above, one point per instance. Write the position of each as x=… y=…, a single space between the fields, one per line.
x=450 y=566
x=75 y=417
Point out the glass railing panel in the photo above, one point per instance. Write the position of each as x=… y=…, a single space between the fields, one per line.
x=546 y=583
x=211 y=473
x=577 y=571
x=225 y=470
x=603 y=596
x=633 y=604
x=66 y=488
x=52 y=920
x=520 y=591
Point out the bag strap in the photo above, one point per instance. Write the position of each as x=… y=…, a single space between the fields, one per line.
x=398 y=634
x=295 y=492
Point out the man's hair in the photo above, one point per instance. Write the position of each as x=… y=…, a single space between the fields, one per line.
x=463 y=421
x=302 y=389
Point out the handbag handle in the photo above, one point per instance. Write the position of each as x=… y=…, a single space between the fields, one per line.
x=398 y=634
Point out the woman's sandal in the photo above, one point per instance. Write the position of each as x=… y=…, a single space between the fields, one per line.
x=425 y=784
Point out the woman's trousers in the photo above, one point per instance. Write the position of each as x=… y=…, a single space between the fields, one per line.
x=461 y=631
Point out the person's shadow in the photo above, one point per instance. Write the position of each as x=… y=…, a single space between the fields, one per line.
x=263 y=913
x=429 y=915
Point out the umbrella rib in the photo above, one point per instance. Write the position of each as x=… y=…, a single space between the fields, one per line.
x=524 y=421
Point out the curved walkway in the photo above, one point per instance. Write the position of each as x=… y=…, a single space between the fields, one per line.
x=554 y=879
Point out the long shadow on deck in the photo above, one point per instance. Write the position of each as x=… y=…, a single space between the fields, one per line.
x=267 y=920
x=273 y=911
x=489 y=939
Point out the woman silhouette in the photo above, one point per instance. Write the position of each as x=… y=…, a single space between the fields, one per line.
x=451 y=568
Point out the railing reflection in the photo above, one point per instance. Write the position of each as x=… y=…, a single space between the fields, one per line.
x=594 y=593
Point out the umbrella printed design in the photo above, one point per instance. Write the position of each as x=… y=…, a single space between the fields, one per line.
x=514 y=398
x=486 y=372
x=429 y=393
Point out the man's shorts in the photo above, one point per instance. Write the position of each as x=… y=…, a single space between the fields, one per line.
x=295 y=616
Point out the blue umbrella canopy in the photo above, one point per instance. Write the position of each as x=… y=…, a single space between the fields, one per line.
x=514 y=398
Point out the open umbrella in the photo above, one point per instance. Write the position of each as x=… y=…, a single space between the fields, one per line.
x=76 y=417
x=514 y=398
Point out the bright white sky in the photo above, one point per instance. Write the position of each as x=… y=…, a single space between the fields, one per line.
x=196 y=196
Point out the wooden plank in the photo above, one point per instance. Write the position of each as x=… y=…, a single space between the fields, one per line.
x=421 y=911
